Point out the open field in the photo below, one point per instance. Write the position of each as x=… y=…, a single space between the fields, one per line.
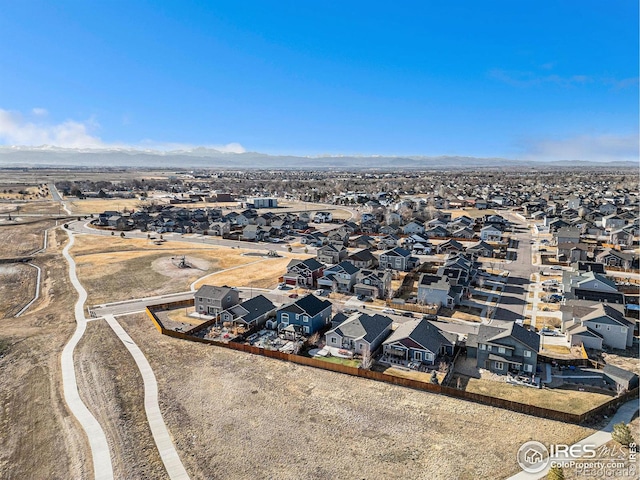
x=39 y=437
x=17 y=287
x=564 y=400
x=110 y=385
x=117 y=268
x=22 y=239
x=254 y=417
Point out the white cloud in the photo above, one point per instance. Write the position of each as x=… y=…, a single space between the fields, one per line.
x=602 y=148
x=16 y=130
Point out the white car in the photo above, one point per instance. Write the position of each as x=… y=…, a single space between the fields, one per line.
x=550 y=282
x=390 y=311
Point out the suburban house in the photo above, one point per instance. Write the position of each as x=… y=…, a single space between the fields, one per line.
x=250 y=313
x=303 y=273
x=210 y=300
x=614 y=258
x=418 y=341
x=436 y=290
x=363 y=259
x=512 y=348
x=306 y=315
x=397 y=259
x=413 y=227
x=602 y=325
x=360 y=333
x=450 y=246
x=340 y=277
x=331 y=254
x=572 y=252
x=590 y=286
x=490 y=233
x=567 y=235
x=373 y=283
x=480 y=249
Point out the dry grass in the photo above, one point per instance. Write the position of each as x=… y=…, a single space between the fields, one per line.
x=115 y=268
x=99 y=205
x=17 y=287
x=564 y=400
x=110 y=385
x=259 y=418
x=412 y=374
x=40 y=439
x=262 y=273
x=555 y=349
x=22 y=239
x=543 y=321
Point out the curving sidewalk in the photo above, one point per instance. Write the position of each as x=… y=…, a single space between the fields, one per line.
x=168 y=454
x=624 y=414
x=102 y=468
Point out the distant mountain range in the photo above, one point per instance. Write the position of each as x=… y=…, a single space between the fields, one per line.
x=201 y=157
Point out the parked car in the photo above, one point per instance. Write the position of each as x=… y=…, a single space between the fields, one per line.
x=555 y=267
x=319 y=292
x=430 y=316
x=360 y=297
x=389 y=311
x=550 y=282
x=282 y=286
x=549 y=332
x=293 y=295
x=407 y=314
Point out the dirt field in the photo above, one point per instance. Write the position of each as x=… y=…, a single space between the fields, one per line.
x=234 y=415
x=17 y=287
x=110 y=385
x=39 y=437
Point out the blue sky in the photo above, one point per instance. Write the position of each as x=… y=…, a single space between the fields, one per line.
x=516 y=79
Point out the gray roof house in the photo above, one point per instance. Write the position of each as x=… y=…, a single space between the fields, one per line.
x=590 y=286
x=373 y=283
x=210 y=300
x=601 y=322
x=340 y=277
x=418 y=340
x=504 y=349
x=397 y=259
x=360 y=333
x=252 y=312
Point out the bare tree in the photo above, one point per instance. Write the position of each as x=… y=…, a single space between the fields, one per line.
x=367 y=359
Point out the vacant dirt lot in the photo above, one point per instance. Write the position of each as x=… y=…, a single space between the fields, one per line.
x=39 y=437
x=110 y=384
x=234 y=415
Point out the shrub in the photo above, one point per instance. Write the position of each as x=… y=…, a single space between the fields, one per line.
x=622 y=434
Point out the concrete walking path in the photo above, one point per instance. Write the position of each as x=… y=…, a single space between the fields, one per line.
x=37 y=294
x=102 y=467
x=159 y=430
x=624 y=414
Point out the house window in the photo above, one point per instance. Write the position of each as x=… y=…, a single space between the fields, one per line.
x=489 y=347
x=285 y=317
x=528 y=368
x=483 y=346
x=305 y=319
x=498 y=365
x=501 y=350
x=417 y=356
x=527 y=353
x=333 y=339
x=208 y=300
x=305 y=329
x=200 y=299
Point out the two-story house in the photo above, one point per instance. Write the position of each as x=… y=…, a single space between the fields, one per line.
x=397 y=259
x=511 y=348
x=331 y=254
x=303 y=273
x=306 y=315
x=373 y=283
x=598 y=325
x=339 y=278
x=210 y=300
x=250 y=313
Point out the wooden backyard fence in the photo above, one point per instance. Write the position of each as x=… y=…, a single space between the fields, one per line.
x=518 y=407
